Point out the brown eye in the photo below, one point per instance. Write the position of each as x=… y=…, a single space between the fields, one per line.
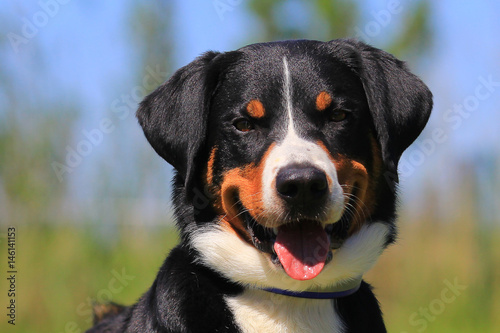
x=338 y=115
x=243 y=125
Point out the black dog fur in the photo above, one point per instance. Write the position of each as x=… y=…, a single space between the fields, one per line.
x=191 y=118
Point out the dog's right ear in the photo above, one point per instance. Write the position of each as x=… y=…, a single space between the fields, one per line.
x=400 y=103
x=174 y=116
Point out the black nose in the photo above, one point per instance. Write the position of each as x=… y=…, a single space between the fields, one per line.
x=302 y=185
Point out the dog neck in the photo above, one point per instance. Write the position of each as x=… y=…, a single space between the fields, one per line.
x=340 y=290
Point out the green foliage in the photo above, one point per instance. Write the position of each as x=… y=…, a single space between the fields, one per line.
x=412 y=277
x=406 y=33
x=325 y=19
x=57 y=281
x=63 y=270
x=416 y=35
x=67 y=260
x=339 y=16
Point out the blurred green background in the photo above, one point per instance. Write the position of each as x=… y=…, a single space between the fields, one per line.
x=90 y=199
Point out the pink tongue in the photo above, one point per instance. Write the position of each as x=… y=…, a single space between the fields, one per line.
x=302 y=249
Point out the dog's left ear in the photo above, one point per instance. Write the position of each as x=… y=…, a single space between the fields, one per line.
x=400 y=103
x=174 y=116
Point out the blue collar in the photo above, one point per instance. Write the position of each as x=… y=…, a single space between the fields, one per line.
x=340 y=290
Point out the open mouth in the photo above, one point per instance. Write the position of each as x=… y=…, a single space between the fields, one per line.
x=301 y=248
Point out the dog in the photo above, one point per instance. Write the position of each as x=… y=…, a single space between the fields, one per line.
x=286 y=158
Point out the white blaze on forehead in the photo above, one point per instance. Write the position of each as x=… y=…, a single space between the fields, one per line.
x=296 y=150
x=287 y=93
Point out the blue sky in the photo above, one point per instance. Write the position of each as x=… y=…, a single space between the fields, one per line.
x=86 y=49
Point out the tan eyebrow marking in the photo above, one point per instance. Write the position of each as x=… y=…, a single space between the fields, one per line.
x=256 y=109
x=323 y=101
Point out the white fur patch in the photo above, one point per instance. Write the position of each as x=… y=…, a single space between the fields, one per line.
x=241 y=262
x=294 y=150
x=287 y=93
x=258 y=311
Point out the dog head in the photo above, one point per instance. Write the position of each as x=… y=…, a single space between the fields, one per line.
x=292 y=142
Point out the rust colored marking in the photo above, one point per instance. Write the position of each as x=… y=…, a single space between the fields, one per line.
x=213 y=189
x=375 y=174
x=354 y=179
x=103 y=311
x=242 y=187
x=210 y=166
x=255 y=109
x=323 y=100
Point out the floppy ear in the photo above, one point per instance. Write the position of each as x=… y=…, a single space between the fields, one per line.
x=400 y=103
x=174 y=116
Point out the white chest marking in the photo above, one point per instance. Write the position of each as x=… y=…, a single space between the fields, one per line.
x=258 y=311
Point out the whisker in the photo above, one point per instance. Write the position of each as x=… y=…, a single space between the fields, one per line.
x=363 y=209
